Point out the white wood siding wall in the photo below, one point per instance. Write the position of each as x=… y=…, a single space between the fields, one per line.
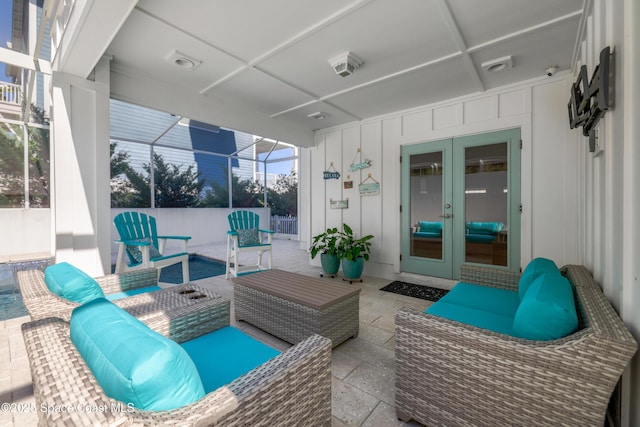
x=549 y=163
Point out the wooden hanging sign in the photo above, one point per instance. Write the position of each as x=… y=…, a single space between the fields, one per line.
x=339 y=204
x=357 y=166
x=331 y=173
x=361 y=164
x=369 y=188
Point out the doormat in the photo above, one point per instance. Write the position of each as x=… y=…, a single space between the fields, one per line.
x=415 y=291
x=200 y=267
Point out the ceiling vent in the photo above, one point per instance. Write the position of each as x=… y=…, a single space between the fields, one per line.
x=499 y=64
x=345 y=64
x=318 y=115
x=183 y=61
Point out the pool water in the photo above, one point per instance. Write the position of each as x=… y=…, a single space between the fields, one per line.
x=11 y=305
x=200 y=267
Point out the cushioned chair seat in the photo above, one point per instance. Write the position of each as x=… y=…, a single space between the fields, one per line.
x=543 y=308
x=471 y=316
x=481 y=238
x=429 y=234
x=430 y=229
x=496 y=300
x=226 y=354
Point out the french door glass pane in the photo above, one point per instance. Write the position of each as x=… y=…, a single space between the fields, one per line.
x=486 y=201
x=426 y=204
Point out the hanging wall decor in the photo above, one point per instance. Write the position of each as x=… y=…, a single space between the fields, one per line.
x=361 y=164
x=331 y=173
x=348 y=183
x=339 y=204
x=369 y=188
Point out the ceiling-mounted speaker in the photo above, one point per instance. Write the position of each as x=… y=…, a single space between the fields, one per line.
x=345 y=64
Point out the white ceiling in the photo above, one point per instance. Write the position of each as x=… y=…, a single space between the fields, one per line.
x=272 y=57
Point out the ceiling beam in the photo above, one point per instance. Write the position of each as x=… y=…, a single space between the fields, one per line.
x=456 y=34
x=88 y=32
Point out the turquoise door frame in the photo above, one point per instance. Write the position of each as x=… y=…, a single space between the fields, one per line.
x=431 y=266
x=453 y=209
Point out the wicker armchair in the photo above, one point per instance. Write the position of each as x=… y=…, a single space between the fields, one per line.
x=452 y=374
x=171 y=311
x=293 y=388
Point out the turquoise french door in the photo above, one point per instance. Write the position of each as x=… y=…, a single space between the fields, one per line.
x=461 y=204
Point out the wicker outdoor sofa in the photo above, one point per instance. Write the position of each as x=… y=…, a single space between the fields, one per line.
x=452 y=374
x=294 y=388
x=171 y=311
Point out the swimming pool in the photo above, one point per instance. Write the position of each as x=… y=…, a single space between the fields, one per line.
x=11 y=305
x=200 y=267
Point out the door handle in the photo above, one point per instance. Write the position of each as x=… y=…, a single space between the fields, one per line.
x=446 y=216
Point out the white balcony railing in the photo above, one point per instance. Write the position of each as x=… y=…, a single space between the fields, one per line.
x=10 y=94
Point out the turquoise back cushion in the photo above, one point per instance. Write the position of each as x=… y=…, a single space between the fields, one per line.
x=548 y=310
x=69 y=282
x=430 y=226
x=534 y=269
x=485 y=227
x=132 y=363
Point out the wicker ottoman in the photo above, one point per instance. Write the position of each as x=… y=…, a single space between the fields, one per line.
x=292 y=306
x=180 y=312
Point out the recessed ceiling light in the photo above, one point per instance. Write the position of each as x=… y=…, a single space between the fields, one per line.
x=183 y=61
x=318 y=115
x=496 y=65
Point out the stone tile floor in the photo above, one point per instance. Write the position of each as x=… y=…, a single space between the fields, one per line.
x=362 y=368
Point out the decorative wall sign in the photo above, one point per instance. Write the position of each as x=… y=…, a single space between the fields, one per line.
x=331 y=173
x=357 y=166
x=339 y=204
x=361 y=164
x=348 y=184
x=369 y=188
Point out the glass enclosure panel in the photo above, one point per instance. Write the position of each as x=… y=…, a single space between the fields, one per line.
x=39 y=162
x=130 y=175
x=486 y=197
x=11 y=167
x=426 y=200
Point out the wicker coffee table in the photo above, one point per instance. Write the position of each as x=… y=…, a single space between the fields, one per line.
x=180 y=312
x=292 y=306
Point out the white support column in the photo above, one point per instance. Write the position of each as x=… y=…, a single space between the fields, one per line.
x=80 y=153
x=631 y=205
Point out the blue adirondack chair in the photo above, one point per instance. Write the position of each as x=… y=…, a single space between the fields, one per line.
x=143 y=247
x=245 y=235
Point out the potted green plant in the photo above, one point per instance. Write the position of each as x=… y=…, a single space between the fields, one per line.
x=353 y=253
x=326 y=244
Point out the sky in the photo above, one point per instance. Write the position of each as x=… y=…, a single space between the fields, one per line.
x=5 y=30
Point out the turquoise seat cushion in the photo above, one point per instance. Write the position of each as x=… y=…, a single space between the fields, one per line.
x=494 y=300
x=533 y=270
x=132 y=292
x=226 y=354
x=548 y=310
x=481 y=238
x=132 y=363
x=71 y=283
x=473 y=316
